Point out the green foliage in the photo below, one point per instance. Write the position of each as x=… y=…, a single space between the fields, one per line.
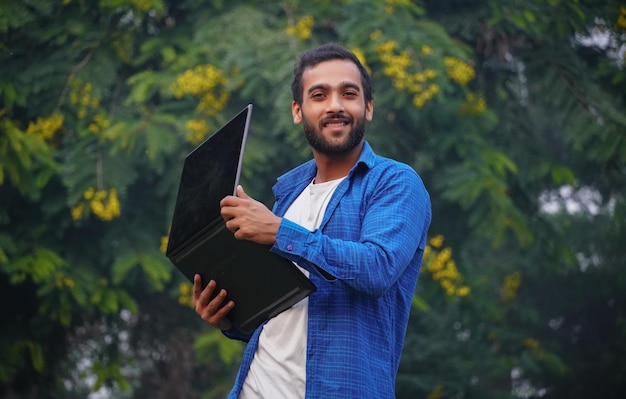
x=39 y=265
x=25 y=160
x=228 y=351
x=503 y=107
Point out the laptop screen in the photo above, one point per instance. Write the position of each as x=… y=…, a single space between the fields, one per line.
x=210 y=173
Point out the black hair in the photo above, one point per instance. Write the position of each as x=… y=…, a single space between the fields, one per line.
x=327 y=52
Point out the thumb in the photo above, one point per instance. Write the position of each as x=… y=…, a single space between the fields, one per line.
x=241 y=193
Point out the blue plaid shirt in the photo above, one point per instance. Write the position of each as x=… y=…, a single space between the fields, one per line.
x=364 y=260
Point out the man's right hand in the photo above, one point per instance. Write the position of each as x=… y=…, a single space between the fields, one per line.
x=213 y=311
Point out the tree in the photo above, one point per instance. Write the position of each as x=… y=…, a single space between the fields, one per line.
x=501 y=106
x=543 y=302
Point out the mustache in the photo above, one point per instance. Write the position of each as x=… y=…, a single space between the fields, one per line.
x=335 y=118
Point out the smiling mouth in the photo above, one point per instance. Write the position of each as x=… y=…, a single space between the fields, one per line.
x=335 y=124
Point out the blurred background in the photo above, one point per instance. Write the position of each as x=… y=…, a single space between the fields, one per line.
x=512 y=111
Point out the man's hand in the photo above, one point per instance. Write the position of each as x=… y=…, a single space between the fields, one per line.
x=249 y=219
x=213 y=311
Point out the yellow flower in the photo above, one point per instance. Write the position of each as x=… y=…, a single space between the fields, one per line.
x=89 y=193
x=376 y=35
x=436 y=241
x=387 y=47
x=302 y=29
x=474 y=104
x=621 y=19
x=390 y=5
x=105 y=205
x=185 y=297
x=45 y=128
x=93 y=128
x=205 y=82
x=398 y=67
x=361 y=56
x=164 y=242
x=211 y=104
x=427 y=50
x=443 y=268
x=58 y=280
x=458 y=71
x=448 y=287
x=445 y=254
x=436 y=392
x=419 y=102
x=82 y=96
x=198 y=80
x=197 y=130
x=510 y=286
x=531 y=343
x=77 y=211
x=61 y=281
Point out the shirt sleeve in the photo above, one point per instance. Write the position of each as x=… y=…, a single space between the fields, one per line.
x=369 y=250
x=236 y=335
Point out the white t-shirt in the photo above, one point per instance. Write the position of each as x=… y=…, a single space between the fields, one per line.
x=278 y=369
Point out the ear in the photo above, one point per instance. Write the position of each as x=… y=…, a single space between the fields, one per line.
x=296 y=112
x=369 y=110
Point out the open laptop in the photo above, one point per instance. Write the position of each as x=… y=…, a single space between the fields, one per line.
x=260 y=283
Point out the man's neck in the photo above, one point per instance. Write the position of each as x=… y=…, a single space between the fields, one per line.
x=335 y=166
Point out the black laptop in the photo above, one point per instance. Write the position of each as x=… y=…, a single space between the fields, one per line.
x=260 y=283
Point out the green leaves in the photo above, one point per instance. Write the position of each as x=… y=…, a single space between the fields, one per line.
x=495 y=103
x=153 y=265
x=108 y=373
x=38 y=266
x=20 y=353
x=26 y=161
x=109 y=300
x=228 y=351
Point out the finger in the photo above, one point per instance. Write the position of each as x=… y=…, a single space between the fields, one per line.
x=211 y=311
x=197 y=288
x=232 y=225
x=223 y=311
x=229 y=200
x=241 y=193
x=219 y=307
x=205 y=296
x=227 y=212
x=217 y=302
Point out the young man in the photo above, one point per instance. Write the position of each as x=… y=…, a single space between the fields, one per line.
x=356 y=224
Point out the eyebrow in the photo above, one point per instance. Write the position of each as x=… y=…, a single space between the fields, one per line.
x=342 y=85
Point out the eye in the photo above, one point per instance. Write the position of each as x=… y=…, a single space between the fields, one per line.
x=317 y=95
x=350 y=94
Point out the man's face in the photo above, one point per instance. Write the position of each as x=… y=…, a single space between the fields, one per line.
x=333 y=109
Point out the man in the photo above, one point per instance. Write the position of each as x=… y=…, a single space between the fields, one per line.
x=356 y=224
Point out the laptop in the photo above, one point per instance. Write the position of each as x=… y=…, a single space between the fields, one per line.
x=261 y=284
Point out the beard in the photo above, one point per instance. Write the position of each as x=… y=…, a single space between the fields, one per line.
x=318 y=142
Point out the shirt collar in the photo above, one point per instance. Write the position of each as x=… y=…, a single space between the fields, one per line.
x=307 y=170
x=367 y=157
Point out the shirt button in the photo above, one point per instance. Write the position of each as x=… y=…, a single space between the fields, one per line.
x=289 y=247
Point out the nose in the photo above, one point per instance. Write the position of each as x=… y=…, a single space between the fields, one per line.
x=335 y=103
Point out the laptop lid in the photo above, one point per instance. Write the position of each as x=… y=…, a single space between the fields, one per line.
x=210 y=172
x=261 y=283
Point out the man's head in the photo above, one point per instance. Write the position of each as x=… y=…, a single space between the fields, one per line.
x=323 y=53
x=332 y=99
